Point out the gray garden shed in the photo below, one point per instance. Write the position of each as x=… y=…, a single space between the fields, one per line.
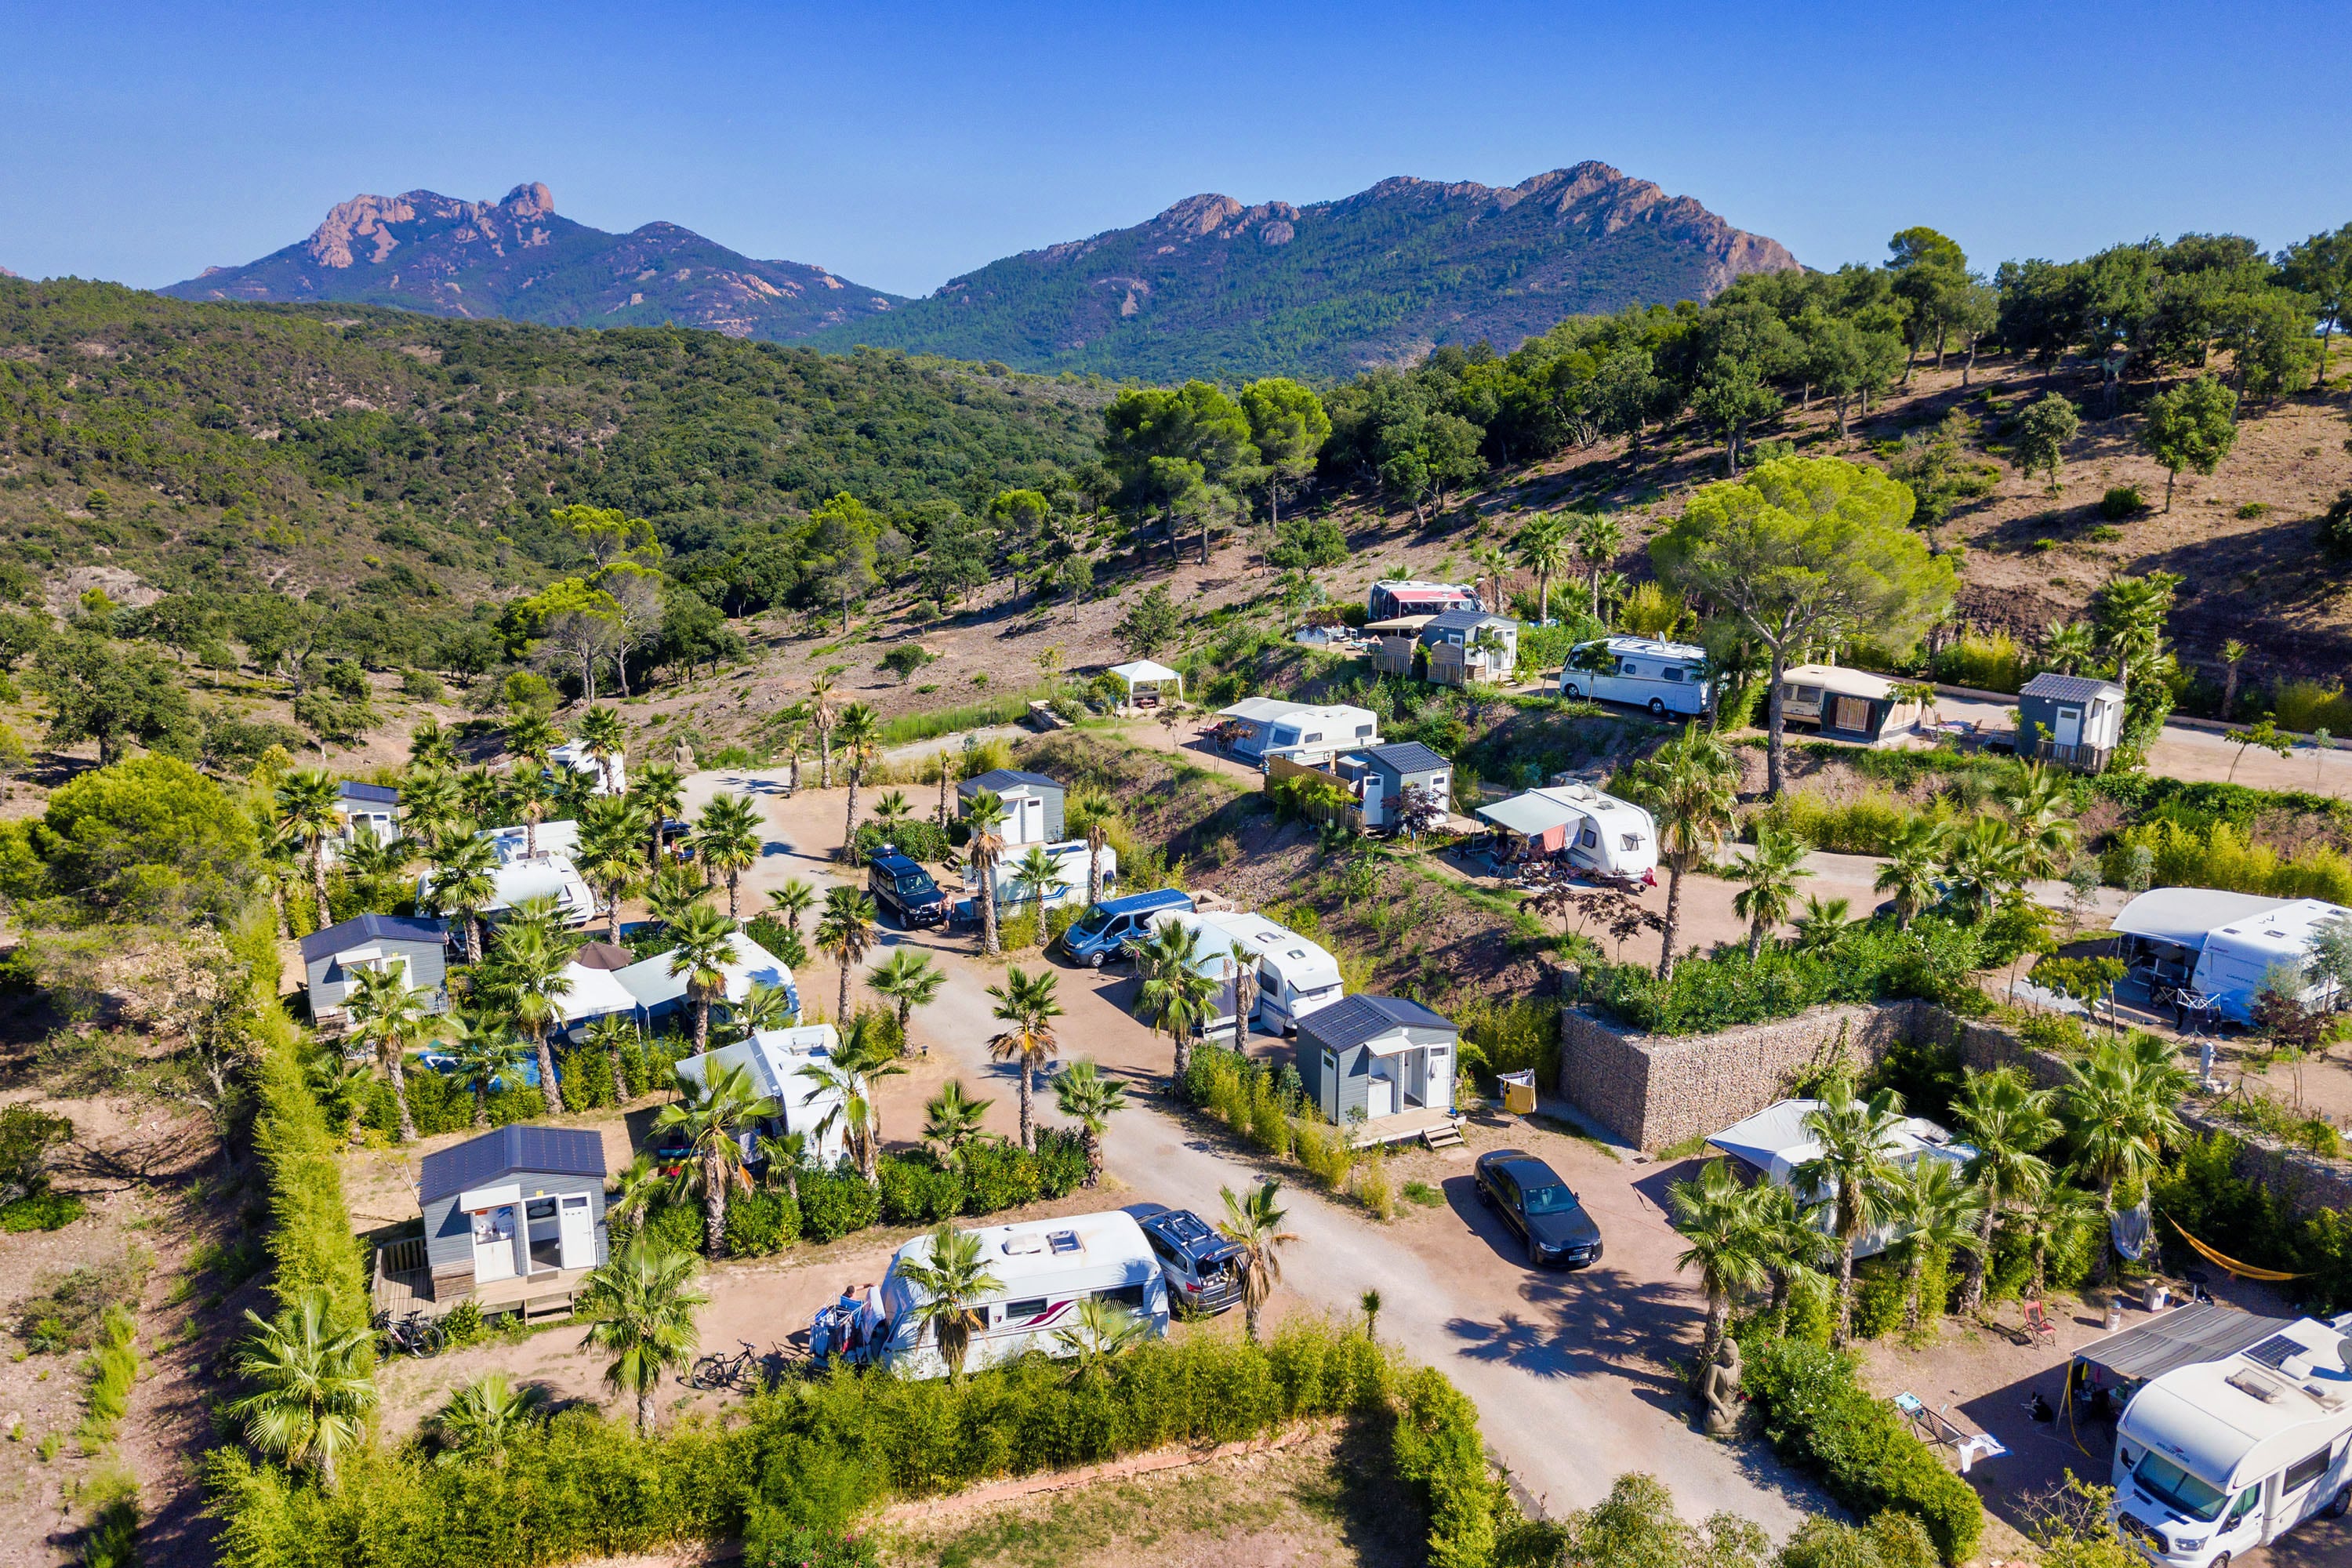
x=2073 y=719
x=334 y=958
x=520 y=1203
x=1384 y=772
x=1383 y=1057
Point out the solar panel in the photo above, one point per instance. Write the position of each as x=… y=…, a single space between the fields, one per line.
x=2272 y=1351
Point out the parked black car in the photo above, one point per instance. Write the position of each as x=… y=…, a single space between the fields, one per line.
x=1203 y=1277
x=1536 y=1204
x=905 y=890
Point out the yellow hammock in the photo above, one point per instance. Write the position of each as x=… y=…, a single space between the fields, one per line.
x=2229 y=1265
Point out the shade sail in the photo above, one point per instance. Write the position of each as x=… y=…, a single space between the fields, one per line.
x=2200 y=1331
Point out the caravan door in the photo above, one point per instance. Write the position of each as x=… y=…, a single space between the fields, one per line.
x=2069 y=731
x=577 y=1229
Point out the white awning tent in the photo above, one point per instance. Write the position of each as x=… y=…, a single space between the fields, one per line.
x=594 y=993
x=1145 y=672
x=2239 y=939
x=1531 y=814
x=1774 y=1142
x=654 y=987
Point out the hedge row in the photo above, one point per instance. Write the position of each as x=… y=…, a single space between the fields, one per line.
x=1871 y=959
x=1820 y=1416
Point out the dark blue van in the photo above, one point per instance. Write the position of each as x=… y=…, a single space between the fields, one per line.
x=1098 y=935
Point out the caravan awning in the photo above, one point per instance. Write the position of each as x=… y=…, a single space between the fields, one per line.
x=2187 y=915
x=2201 y=1331
x=1530 y=815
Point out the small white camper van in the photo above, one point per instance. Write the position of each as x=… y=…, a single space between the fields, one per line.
x=1295 y=976
x=1664 y=677
x=1044 y=1268
x=2218 y=1458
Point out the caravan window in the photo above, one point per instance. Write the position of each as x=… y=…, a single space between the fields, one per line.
x=2303 y=1472
x=1285 y=737
x=1310 y=740
x=1627 y=667
x=1629 y=841
x=1363 y=729
x=1022 y=1311
x=1588 y=839
x=1674 y=673
x=1128 y=1296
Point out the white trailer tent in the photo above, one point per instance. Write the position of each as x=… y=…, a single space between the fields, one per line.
x=2220 y=1458
x=2225 y=944
x=1598 y=832
x=1043 y=1268
x=1144 y=672
x=804 y=1105
x=1773 y=1142
x=523 y=874
x=1070 y=857
x=659 y=993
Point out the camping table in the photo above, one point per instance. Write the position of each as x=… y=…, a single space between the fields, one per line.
x=1935 y=1426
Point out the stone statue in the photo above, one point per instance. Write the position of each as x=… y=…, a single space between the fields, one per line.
x=1719 y=1390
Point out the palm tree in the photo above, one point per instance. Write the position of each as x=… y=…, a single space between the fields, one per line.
x=1027 y=1004
x=850 y=1073
x=785 y=1156
x=2008 y=1123
x=529 y=962
x=1794 y=1246
x=1098 y=836
x=985 y=812
x=1083 y=1094
x=1545 y=547
x=1730 y=1244
x=728 y=842
x=480 y=791
x=1598 y=540
x=483 y=1053
x=847 y=931
x=615 y=1035
x=1245 y=960
x=1984 y=861
x=705 y=945
x=282 y=869
x=486 y=1415
x=607 y=856
x=390 y=1017
x=1035 y=876
x=763 y=1007
x=2046 y=1219
x=2118 y=1108
x=890 y=809
x=951 y=1118
x=1101 y=1331
x=821 y=719
x=1769 y=879
x=676 y=897
x=791 y=901
x=1938 y=1211
x=312 y=1385
x=602 y=735
x=433 y=748
x=790 y=728
x=951 y=1282
x=2233 y=654
x=640 y=1308
x=2069 y=646
x=659 y=791
x=1175 y=995
x=635 y=1188
x=2039 y=809
x=1254 y=1223
x=1689 y=785
x=1823 y=921
x=430 y=807
x=529 y=737
x=1854 y=1170
x=1911 y=874
x=707 y=1115
x=855 y=732
x=307 y=807
x=909 y=980
x=465 y=882
x=374 y=864
x=527 y=792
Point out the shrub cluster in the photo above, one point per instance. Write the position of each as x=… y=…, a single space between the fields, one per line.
x=1517 y=1035
x=1872 y=960
x=911 y=837
x=1868 y=825
x=2221 y=855
x=2201 y=1192
x=1820 y=1416
x=1269 y=1108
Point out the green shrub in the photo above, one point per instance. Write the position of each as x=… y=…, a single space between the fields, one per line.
x=1934 y=959
x=2222 y=855
x=112 y=1368
x=1877 y=1297
x=2304 y=706
x=51 y=1210
x=1439 y=1453
x=836 y=1203
x=1517 y=1035
x=1992 y=663
x=2122 y=502
x=916 y=1191
x=999 y=1176
x=676 y=1226
x=1867 y=825
x=1061 y=1160
x=1820 y=1417
x=762 y=1222
x=912 y=836
x=779 y=939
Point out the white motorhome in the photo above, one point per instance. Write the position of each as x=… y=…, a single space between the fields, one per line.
x=1042 y=1269
x=1664 y=677
x=2216 y=1459
x=1295 y=976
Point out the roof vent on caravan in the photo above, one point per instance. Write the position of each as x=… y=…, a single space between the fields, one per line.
x=2246 y=1380
x=1063 y=1240
x=1021 y=1246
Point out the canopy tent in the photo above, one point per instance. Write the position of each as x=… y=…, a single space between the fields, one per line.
x=655 y=989
x=1145 y=672
x=2198 y=1332
x=1530 y=815
x=594 y=993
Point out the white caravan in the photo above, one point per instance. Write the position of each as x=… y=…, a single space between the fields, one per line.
x=2216 y=1459
x=1069 y=857
x=1044 y=1268
x=1295 y=976
x=1664 y=677
x=1603 y=834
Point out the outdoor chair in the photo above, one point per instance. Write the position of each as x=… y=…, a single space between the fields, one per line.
x=2038 y=1323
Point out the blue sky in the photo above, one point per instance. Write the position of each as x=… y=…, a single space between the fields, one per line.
x=902 y=144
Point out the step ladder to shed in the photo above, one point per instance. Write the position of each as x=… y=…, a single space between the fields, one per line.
x=1444 y=1136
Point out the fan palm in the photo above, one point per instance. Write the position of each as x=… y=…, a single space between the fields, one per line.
x=529 y=737
x=2040 y=809
x=763 y=1006
x=374 y=863
x=2048 y=1217
x=676 y=896
x=640 y=1308
x=1690 y=785
x=821 y=720
x=1254 y=1223
x=847 y=931
x=1938 y=1211
x=1098 y=836
x=1731 y=1244
x=527 y=792
x=850 y=1073
x=1101 y=1331
x=389 y=1016
x=312 y=1385
x=2070 y=647
x=1083 y=1094
x=1544 y=546
x=892 y=808
x=1767 y=880
x=281 y=870
x=949 y=1280
x=529 y=964
x=659 y=791
x=1796 y=1247
x=1175 y=995
x=790 y=728
x=634 y=1188
x=483 y=1053
x=791 y=901
x=432 y=748
x=985 y=812
x=1910 y=872
x=307 y=807
x=607 y=855
x=602 y=735
x=1823 y=921
x=1034 y=877
x=854 y=731
x=708 y=1116
x=727 y=840
x=481 y=791
x=705 y=945
x=2008 y=1123
x=615 y=1035
x=486 y=1415
x=1985 y=860
x=1245 y=960
x=909 y=980
x=951 y=1119
x=1598 y=540
x=1026 y=1005
x=785 y=1155
x=431 y=806
x=1854 y=1170
x=2118 y=1108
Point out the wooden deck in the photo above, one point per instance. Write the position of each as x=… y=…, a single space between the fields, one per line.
x=403 y=1287
x=1402 y=1128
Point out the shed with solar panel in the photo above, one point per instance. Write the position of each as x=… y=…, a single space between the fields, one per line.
x=517 y=1203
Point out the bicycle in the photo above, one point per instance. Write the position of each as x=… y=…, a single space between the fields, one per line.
x=413 y=1335
x=721 y=1371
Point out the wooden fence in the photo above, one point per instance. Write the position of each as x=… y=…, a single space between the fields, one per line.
x=1349 y=817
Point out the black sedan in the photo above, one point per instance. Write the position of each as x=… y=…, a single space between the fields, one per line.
x=1536 y=1204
